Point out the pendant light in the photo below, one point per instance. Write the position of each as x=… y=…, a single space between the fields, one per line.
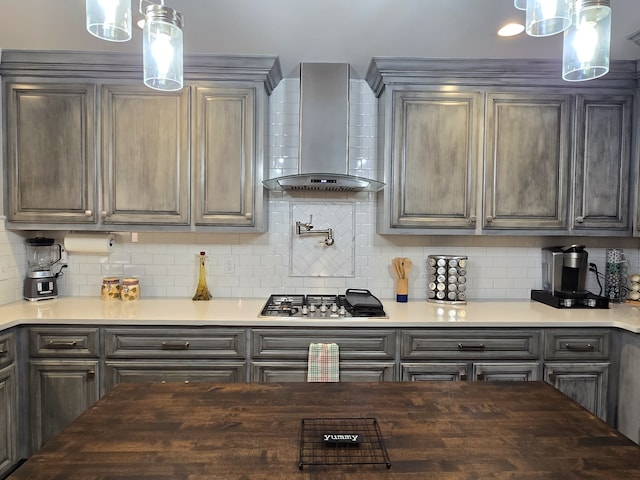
x=586 y=46
x=547 y=17
x=520 y=4
x=109 y=19
x=162 y=48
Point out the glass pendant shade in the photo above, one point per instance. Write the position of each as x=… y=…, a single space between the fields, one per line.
x=547 y=17
x=162 y=48
x=109 y=19
x=520 y=4
x=586 y=46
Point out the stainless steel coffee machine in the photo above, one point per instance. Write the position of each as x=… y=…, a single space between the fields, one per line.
x=564 y=276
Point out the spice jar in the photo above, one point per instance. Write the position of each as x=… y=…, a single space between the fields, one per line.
x=110 y=288
x=130 y=290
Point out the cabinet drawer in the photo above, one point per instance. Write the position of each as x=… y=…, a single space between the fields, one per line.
x=353 y=344
x=7 y=349
x=576 y=345
x=175 y=343
x=63 y=342
x=469 y=344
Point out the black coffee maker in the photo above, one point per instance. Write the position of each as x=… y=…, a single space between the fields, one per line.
x=564 y=276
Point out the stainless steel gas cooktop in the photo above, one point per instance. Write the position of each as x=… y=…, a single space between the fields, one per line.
x=355 y=303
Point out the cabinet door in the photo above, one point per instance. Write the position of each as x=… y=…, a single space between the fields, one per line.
x=296 y=371
x=586 y=383
x=145 y=156
x=513 y=372
x=172 y=371
x=8 y=419
x=227 y=181
x=526 y=161
x=602 y=162
x=50 y=176
x=435 y=143
x=434 y=371
x=59 y=391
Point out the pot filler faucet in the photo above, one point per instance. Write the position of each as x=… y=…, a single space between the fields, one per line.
x=308 y=230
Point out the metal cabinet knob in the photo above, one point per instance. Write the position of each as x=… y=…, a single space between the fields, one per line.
x=88 y=213
x=248 y=215
x=489 y=219
x=579 y=219
x=472 y=219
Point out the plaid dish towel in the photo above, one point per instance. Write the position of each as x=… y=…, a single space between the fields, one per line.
x=323 y=363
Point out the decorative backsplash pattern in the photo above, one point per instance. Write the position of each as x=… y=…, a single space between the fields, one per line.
x=310 y=255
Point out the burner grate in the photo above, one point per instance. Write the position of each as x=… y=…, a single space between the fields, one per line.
x=314 y=450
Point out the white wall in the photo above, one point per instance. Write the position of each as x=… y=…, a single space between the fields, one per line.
x=256 y=265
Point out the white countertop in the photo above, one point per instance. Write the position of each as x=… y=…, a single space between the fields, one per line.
x=244 y=312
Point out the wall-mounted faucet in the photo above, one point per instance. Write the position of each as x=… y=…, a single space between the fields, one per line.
x=308 y=230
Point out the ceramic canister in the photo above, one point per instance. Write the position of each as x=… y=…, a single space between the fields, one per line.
x=130 y=289
x=110 y=288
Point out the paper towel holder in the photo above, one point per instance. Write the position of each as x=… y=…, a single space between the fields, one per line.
x=89 y=243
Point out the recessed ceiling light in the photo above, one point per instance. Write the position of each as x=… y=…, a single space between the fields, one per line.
x=511 y=29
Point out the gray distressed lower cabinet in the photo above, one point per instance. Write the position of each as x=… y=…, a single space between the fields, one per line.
x=280 y=354
x=8 y=403
x=70 y=366
x=577 y=363
x=174 y=355
x=64 y=378
x=472 y=354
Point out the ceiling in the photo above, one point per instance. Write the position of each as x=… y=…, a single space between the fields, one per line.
x=297 y=31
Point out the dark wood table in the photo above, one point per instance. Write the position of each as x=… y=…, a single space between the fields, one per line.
x=431 y=430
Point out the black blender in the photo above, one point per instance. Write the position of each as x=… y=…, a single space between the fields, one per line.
x=42 y=255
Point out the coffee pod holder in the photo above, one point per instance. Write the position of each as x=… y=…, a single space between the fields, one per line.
x=447 y=279
x=615 y=275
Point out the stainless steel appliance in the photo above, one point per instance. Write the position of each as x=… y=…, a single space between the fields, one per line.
x=564 y=276
x=40 y=282
x=354 y=303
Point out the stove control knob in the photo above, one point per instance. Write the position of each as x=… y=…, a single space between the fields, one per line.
x=323 y=307
x=334 y=308
x=305 y=310
x=342 y=311
x=567 y=302
x=590 y=302
x=312 y=308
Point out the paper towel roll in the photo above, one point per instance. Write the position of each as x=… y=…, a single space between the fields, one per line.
x=88 y=243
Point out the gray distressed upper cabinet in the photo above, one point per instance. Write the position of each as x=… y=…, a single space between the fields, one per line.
x=527 y=161
x=50 y=164
x=100 y=151
x=145 y=156
x=431 y=178
x=227 y=147
x=507 y=142
x=8 y=404
x=602 y=151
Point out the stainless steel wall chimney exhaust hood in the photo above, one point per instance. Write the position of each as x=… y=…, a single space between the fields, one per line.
x=323 y=161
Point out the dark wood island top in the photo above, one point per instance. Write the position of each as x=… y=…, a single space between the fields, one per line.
x=431 y=430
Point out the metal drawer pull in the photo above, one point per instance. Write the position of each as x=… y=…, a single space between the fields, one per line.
x=53 y=345
x=579 y=348
x=175 y=346
x=480 y=346
x=463 y=377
